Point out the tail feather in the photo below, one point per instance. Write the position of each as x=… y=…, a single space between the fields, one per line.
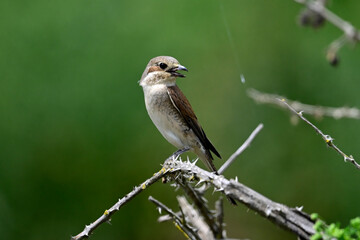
x=210 y=146
x=206 y=158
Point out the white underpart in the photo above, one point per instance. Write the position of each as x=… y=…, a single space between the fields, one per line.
x=167 y=126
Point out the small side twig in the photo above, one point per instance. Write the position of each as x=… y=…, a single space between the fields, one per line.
x=219 y=209
x=245 y=145
x=202 y=206
x=195 y=219
x=317 y=111
x=327 y=138
x=188 y=232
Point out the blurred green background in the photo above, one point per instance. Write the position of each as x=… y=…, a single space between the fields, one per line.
x=75 y=135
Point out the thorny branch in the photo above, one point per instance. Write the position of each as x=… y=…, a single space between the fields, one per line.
x=327 y=138
x=108 y=213
x=316 y=111
x=122 y=201
x=291 y=219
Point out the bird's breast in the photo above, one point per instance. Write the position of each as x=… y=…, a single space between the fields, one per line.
x=165 y=116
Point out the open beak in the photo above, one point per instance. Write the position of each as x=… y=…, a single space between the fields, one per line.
x=174 y=70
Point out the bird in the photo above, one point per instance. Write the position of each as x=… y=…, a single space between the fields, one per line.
x=171 y=111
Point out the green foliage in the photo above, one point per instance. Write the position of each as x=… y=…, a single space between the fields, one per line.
x=334 y=231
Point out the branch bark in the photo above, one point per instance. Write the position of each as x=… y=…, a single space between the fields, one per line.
x=116 y=207
x=288 y=218
x=327 y=138
x=316 y=111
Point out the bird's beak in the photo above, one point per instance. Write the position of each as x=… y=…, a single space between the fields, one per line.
x=180 y=67
x=174 y=70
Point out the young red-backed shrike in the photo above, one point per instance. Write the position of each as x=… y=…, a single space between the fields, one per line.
x=171 y=112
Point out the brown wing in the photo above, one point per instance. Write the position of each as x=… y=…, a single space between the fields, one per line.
x=183 y=106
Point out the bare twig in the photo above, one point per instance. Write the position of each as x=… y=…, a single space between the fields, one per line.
x=107 y=214
x=195 y=219
x=188 y=232
x=317 y=111
x=327 y=138
x=245 y=145
x=316 y=14
x=349 y=30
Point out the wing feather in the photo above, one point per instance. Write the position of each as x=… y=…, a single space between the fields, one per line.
x=181 y=103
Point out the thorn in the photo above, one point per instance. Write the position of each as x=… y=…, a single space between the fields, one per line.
x=219 y=189
x=199 y=182
x=328 y=139
x=299 y=208
x=195 y=161
x=159 y=209
x=268 y=210
x=301 y=113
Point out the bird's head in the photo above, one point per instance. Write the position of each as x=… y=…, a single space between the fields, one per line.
x=162 y=70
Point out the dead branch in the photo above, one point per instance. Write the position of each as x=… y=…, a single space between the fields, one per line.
x=195 y=219
x=316 y=111
x=173 y=169
x=245 y=145
x=187 y=231
x=201 y=204
x=319 y=7
x=327 y=138
x=116 y=207
x=291 y=219
x=317 y=14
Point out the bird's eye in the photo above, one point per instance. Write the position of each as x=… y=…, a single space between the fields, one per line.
x=162 y=65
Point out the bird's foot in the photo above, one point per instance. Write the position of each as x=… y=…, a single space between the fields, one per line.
x=178 y=153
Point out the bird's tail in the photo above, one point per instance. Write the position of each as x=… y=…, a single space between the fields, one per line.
x=207 y=159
